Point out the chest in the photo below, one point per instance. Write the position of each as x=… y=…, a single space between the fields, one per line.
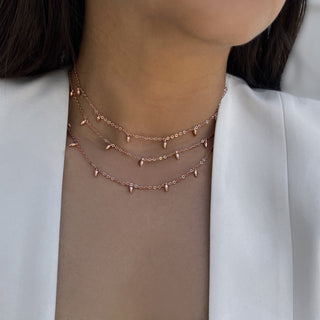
x=132 y=256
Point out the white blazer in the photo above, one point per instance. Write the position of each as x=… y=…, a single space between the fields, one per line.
x=265 y=201
x=302 y=72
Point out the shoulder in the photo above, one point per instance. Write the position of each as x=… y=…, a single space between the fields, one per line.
x=294 y=108
x=299 y=121
x=300 y=116
x=29 y=105
x=27 y=93
x=33 y=117
x=48 y=78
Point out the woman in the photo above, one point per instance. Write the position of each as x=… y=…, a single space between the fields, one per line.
x=91 y=228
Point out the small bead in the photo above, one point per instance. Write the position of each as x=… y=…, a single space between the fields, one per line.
x=165 y=143
x=131 y=189
x=166 y=187
x=141 y=162
x=74 y=144
x=71 y=93
x=128 y=138
x=96 y=172
x=195 y=172
x=69 y=125
x=78 y=91
x=194 y=131
x=98 y=117
x=177 y=155
x=108 y=146
x=83 y=122
x=205 y=143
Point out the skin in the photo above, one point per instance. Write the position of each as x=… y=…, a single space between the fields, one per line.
x=155 y=67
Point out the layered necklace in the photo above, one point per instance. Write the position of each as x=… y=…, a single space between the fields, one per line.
x=82 y=102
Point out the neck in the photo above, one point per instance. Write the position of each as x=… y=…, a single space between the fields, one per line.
x=145 y=74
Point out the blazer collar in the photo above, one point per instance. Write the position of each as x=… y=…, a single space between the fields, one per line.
x=250 y=240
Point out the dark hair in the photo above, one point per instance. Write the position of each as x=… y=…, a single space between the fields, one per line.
x=38 y=36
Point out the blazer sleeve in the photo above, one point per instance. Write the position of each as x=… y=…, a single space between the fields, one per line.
x=302 y=135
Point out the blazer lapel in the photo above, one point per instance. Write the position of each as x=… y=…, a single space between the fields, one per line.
x=33 y=119
x=250 y=240
x=250 y=236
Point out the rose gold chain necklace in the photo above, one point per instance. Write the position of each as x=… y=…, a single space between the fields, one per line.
x=76 y=93
x=131 y=185
x=141 y=159
x=79 y=91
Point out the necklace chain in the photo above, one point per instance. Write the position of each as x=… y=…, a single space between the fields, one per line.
x=131 y=185
x=79 y=91
x=129 y=135
x=141 y=159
